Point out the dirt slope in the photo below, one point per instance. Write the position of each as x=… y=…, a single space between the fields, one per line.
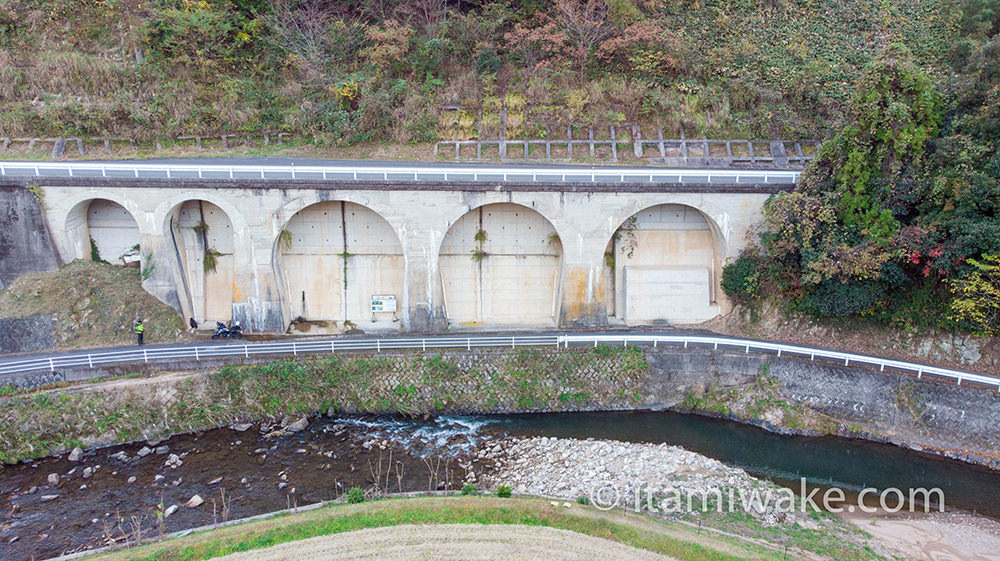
x=95 y=304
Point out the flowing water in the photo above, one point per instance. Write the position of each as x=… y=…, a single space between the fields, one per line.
x=262 y=471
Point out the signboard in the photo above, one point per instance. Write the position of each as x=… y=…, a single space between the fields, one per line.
x=383 y=303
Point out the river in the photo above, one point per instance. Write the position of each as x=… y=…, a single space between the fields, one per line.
x=264 y=470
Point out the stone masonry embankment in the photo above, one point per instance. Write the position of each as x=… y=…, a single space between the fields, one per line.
x=795 y=395
x=788 y=395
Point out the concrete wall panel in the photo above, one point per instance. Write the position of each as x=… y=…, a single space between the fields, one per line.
x=329 y=238
x=517 y=279
x=112 y=228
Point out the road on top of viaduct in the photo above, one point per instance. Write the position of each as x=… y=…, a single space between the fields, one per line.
x=282 y=171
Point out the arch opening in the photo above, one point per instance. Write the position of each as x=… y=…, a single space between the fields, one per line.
x=500 y=264
x=663 y=265
x=204 y=246
x=336 y=260
x=103 y=229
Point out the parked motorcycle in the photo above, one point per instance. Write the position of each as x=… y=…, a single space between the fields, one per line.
x=221 y=331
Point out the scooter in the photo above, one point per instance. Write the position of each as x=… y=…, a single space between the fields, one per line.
x=234 y=332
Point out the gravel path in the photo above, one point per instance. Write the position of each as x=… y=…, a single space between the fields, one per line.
x=450 y=541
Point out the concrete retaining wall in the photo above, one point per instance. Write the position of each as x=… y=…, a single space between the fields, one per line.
x=801 y=396
x=25 y=243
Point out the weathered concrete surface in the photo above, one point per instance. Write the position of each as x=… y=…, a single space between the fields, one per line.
x=798 y=395
x=26 y=334
x=264 y=296
x=25 y=243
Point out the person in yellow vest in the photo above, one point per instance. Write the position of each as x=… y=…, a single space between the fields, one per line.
x=139 y=328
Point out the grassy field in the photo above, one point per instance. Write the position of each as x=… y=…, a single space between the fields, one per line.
x=678 y=541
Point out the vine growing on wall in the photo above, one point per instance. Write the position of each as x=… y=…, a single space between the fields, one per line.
x=624 y=239
x=285 y=240
x=479 y=252
x=148 y=267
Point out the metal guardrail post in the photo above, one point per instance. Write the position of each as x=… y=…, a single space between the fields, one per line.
x=145 y=356
x=52 y=366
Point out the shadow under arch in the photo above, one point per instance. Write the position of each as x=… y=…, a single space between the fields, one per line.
x=663 y=265
x=104 y=229
x=501 y=264
x=203 y=243
x=331 y=259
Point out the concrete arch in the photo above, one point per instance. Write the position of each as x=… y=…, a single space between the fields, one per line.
x=112 y=227
x=331 y=258
x=501 y=264
x=201 y=247
x=663 y=264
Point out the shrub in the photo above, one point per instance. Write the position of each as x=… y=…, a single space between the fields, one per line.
x=355 y=495
x=837 y=299
x=504 y=491
x=741 y=279
x=469 y=489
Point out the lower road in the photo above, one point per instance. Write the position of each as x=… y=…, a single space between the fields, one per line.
x=11 y=367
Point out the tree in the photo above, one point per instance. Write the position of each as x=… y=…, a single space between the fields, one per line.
x=977 y=296
x=895 y=111
x=585 y=23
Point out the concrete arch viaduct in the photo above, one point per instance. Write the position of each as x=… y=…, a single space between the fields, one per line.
x=532 y=247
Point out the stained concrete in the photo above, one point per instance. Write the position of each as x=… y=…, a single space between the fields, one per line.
x=267 y=292
x=25 y=243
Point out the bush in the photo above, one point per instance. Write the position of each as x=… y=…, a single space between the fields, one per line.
x=837 y=299
x=469 y=489
x=504 y=491
x=355 y=495
x=741 y=279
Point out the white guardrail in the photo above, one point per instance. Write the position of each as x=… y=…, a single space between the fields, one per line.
x=294 y=348
x=425 y=172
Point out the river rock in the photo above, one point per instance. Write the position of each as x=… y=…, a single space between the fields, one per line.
x=170 y=510
x=214 y=481
x=144 y=451
x=76 y=455
x=173 y=461
x=241 y=427
x=301 y=424
x=47 y=498
x=131 y=479
x=162 y=449
x=53 y=479
x=194 y=501
x=87 y=472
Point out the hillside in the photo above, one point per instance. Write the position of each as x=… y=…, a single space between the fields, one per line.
x=348 y=72
x=95 y=303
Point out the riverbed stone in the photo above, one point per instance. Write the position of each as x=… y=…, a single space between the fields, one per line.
x=194 y=502
x=88 y=472
x=170 y=510
x=47 y=498
x=76 y=455
x=53 y=479
x=296 y=426
x=162 y=449
x=144 y=451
